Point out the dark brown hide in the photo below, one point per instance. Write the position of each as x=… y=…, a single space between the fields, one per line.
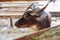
x=32 y=20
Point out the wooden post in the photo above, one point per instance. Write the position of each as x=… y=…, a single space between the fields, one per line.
x=11 y=22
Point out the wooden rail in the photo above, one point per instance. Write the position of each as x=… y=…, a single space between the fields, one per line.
x=18 y=0
x=22 y=1
x=35 y=34
x=14 y=6
x=10 y=17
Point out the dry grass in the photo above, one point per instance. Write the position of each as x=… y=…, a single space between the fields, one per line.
x=52 y=34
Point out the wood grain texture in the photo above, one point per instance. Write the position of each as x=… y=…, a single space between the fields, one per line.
x=35 y=34
x=19 y=0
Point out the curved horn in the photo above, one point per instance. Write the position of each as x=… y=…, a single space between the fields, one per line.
x=29 y=7
x=24 y=15
x=40 y=10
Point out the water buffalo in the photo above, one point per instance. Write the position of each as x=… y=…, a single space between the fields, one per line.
x=37 y=17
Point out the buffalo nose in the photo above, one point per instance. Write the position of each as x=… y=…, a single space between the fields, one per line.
x=16 y=23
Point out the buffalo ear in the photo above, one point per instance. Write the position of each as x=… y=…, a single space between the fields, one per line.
x=27 y=15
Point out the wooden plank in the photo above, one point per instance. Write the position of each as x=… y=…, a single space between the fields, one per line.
x=19 y=0
x=35 y=34
x=55 y=14
x=13 y=17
